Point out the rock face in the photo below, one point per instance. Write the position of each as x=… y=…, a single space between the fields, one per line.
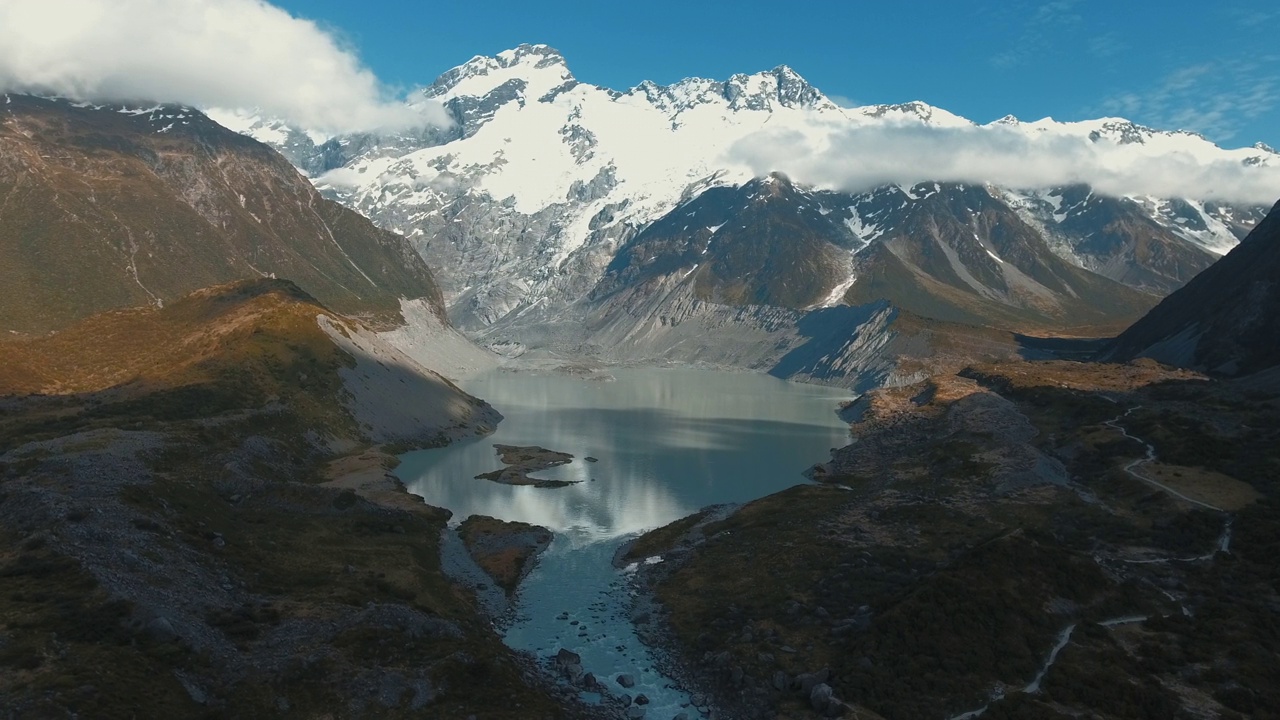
x=1137 y=241
x=1226 y=320
x=142 y=206
x=943 y=251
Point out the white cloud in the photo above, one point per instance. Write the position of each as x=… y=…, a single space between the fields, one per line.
x=206 y=53
x=844 y=101
x=343 y=177
x=861 y=158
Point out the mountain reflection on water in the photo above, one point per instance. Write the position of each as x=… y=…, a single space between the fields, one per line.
x=669 y=442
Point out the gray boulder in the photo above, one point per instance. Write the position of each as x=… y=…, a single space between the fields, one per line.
x=780 y=680
x=820 y=697
x=805 y=682
x=825 y=703
x=160 y=629
x=564 y=658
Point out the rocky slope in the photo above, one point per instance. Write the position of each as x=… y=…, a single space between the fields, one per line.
x=136 y=206
x=772 y=243
x=1226 y=320
x=191 y=523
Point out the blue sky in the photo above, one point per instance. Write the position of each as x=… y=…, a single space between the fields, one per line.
x=1209 y=67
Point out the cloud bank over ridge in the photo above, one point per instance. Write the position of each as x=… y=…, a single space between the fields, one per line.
x=863 y=157
x=249 y=54
x=206 y=53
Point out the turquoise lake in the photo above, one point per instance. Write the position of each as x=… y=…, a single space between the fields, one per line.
x=668 y=442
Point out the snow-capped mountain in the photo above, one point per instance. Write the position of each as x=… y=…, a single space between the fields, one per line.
x=536 y=206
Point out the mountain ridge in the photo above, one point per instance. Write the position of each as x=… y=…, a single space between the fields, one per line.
x=544 y=184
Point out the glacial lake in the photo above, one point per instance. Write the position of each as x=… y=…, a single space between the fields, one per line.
x=668 y=442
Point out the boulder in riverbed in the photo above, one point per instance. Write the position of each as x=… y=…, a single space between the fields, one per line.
x=567 y=657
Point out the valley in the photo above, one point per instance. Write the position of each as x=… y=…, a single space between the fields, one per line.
x=575 y=402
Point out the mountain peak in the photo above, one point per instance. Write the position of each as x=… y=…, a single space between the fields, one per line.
x=540 y=66
x=782 y=86
x=915 y=111
x=789 y=73
x=766 y=188
x=538 y=55
x=774 y=179
x=1120 y=131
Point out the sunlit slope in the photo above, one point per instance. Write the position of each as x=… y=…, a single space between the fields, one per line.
x=108 y=207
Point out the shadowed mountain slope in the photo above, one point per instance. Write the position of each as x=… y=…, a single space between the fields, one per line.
x=1226 y=320
x=960 y=254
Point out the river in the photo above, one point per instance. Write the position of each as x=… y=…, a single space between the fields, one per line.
x=668 y=442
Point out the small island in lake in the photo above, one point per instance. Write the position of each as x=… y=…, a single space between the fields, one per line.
x=522 y=460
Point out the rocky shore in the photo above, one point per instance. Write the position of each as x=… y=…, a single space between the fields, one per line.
x=719 y=686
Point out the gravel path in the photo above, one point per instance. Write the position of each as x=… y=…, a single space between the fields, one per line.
x=1150 y=457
